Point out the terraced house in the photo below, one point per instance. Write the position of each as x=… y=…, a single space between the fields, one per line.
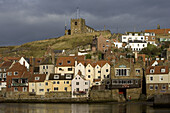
x=157 y=80
x=3 y=68
x=59 y=83
x=17 y=78
x=37 y=84
x=127 y=79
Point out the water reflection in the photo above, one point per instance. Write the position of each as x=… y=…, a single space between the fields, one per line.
x=81 y=108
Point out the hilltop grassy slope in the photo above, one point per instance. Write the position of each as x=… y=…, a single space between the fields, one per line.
x=38 y=48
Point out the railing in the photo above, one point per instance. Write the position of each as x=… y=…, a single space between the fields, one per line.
x=19 y=84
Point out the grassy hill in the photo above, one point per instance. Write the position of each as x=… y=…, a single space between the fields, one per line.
x=38 y=48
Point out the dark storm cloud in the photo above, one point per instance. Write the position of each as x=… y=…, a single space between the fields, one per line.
x=28 y=20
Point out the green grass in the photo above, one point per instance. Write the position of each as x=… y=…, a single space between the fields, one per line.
x=38 y=48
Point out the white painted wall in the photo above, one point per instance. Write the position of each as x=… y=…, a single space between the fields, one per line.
x=80 y=67
x=22 y=61
x=82 y=86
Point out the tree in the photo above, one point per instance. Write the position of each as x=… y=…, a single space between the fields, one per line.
x=150 y=50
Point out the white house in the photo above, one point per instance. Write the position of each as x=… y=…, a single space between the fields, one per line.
x=131 y=36
x=89 y=73
x=24 y=62
x=136 y=45
x=80 y=87
x=117 y=43
x=80 y=67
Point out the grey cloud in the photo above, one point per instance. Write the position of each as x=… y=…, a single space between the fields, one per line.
x=28 y=20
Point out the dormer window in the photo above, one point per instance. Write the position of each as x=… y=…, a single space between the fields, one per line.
x=152 y=71
x=68 y=76
x=60 y=63
x=162 y=70
x=68 y=62
x=37 y=78
x=56 y=76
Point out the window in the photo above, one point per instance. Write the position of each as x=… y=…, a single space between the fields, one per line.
x=60 y=63
x=54 y=82
x=9 y=73
x=86 y=83
x=46 y=67
x=68 y=76
x=161 y=78
x=151 y=70
x=75 y=23
x=122 y=72
x=143 y=45
x=46 y=83
x=151 y=87
x=88 y=76
x=39 y=84
x=138 y=45
x=60 y=69
x=99 y=77
x=107 y=70
x=89 y=70
x=65 y=88
x=156 y=87
x=69 y=69
x=67 y=82
x=43 y=67
x=32 y=90
x=15 y=89
x=151 y=78
x=108 y=76
x=137 y=72
x=16 y=73
x=68 y=62
x=46 y=72
x=58 y=82
x=77 y=89
x=56 y=76
x=99 y=71
x=86 y=90
x=41 y=90
x=153 y=38
x=77 y=83
x=37 y=78
x=124 y=37
x=55 y=88
x=163 y=70
x=141 y=38
x=24 y=89
x=48 y=90
x=32 y=84
x=163 y=87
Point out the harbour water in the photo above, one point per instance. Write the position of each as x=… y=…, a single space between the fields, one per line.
x=137 y=107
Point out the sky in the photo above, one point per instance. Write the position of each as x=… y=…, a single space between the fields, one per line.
x=24 y=21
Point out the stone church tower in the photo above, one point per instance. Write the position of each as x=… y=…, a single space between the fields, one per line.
x=78 y=26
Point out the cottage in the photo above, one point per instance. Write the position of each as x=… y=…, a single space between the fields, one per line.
x=157 y=80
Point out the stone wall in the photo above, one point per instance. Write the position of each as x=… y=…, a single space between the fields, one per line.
x=104 y=95
x=58 y=95
x=134 y=93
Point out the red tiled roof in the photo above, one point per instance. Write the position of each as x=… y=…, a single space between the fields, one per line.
x=6 y=64
x=157 y=70
x=41 y=76
x=158 y=31
x=69 y=61
x=17 y=67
